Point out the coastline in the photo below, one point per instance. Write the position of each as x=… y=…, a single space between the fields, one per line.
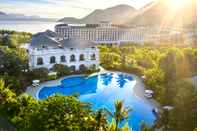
x=27 y=26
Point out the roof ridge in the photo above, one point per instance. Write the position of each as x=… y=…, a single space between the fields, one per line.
x=51 y=38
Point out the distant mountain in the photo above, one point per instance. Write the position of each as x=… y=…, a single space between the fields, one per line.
x=160 y=13
x=2 y=13
x=116 y=15
x=70 y=20
x=6 y=16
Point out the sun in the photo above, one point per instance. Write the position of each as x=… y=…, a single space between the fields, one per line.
x=176 y=5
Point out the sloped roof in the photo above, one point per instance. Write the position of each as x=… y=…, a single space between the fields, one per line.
x=43 y=39
x=75 y=43
x=48 y=39
x=50 y=33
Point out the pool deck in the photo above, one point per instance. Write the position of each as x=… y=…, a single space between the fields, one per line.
x=139 y=88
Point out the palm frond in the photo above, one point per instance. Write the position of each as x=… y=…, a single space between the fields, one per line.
x=108 y=112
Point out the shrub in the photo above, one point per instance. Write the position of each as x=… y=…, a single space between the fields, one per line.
x=41 y=74
x=61 y=70
x=52 y=77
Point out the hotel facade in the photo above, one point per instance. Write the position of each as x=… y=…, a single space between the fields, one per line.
x=102 y=33
x=45 y=51
x=108 y=33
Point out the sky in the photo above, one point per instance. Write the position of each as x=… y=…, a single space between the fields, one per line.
x=63 y=8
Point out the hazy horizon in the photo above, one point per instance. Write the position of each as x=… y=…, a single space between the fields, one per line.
x=63 y=8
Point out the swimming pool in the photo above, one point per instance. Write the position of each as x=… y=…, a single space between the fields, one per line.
x=103 y=90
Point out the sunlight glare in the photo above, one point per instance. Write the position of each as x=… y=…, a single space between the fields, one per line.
x=176 y=5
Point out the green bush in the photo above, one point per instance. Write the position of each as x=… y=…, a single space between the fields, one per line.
x=52 y=77
x=14 y=39
x=61 y=70
x=40 y=74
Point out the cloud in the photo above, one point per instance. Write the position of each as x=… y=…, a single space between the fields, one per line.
x=48 y=9
x=62 y=8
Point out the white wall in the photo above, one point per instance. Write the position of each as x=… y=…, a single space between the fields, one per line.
x=34 y=54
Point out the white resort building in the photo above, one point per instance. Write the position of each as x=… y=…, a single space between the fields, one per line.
x=46 y=51
x=104 y=32
x=108 y=33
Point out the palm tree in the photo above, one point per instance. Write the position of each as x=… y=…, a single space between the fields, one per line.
x=120 y=114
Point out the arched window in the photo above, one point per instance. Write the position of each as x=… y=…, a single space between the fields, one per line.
x=63 y=58
x=40 y=61
x=82 y=67
x=52 y=59
x=72 y=68
x=72 y=58
x=82 y=58
x=93 y=57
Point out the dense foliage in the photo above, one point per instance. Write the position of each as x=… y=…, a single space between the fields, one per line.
x=14 y=39
x=14 y=60
x=63 y=70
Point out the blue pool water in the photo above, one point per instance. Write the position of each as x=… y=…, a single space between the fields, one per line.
x=102 y=91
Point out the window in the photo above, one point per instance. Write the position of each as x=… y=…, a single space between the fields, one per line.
x=82 y=68
x=72 y=68
x=72 y=58
x=39 y=61
x=52 y=59
x=82 y=58
x=93 y=57
x=63 y=58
